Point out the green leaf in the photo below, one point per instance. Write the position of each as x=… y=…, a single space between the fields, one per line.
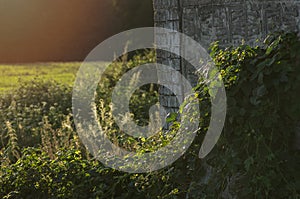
x=248 y=163
x=171 y=117
x=261 y=91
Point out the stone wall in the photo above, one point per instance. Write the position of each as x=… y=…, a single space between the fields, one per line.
x=228 y=21
x=167 y=14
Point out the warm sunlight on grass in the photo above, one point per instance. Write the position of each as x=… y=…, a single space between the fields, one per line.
x=63 y=72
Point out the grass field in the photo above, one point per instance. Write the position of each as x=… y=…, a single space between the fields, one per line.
x=10 y=75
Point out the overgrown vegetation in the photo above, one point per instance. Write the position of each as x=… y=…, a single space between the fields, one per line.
x=42 y=157
x=256 y=157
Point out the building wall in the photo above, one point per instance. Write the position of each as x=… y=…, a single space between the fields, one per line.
x=228 y=21
x=167 y=14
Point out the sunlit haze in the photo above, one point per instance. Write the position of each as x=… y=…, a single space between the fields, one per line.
x=54 y=30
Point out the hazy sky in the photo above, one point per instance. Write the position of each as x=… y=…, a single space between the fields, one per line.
x=57 y=30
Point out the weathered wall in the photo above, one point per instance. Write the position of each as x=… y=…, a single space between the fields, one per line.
x=231 y=21
x=228 y=21
x=167 y=15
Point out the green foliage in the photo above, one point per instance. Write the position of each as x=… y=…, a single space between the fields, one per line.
x=140 y=101
x=70 y=175
x=25 y=108
x=253 y=159
x=255 y=156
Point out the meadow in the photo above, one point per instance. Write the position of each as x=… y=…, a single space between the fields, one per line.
x=12 y=74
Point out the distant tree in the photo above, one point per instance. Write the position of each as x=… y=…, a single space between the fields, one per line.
x=135 y=13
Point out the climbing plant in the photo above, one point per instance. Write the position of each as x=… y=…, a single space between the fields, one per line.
x=256 y=157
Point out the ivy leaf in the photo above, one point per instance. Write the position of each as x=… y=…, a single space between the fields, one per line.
x=260 y=78
x=254 y=100
x=261 y=91
x=248 y=163
x=283 y=77
x=242 y=111
x=171 y=117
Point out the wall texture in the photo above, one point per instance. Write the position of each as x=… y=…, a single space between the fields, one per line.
x=228 y=21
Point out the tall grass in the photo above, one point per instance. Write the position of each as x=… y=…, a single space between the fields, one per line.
x=37 y=113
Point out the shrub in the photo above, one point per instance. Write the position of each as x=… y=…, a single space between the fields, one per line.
x=254 y=157
x=27 y=107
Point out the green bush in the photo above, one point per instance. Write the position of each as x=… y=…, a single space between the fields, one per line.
x=254 y=157
x=27 y=110
x=36 y=175
x=38 y=112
